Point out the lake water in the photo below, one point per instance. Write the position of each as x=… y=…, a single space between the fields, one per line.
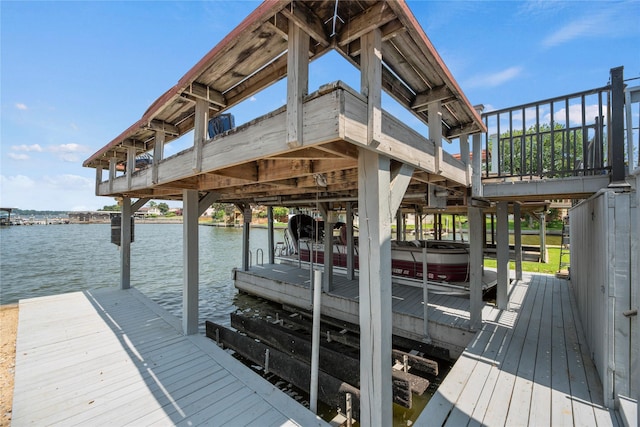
x=53 y=259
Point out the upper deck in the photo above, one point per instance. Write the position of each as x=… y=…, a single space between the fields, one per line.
x=316 y=133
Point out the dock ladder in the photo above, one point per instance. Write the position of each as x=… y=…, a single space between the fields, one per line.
x=564 y=268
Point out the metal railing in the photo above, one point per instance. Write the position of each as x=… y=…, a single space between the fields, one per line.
x=573 y=135
x=553 y=138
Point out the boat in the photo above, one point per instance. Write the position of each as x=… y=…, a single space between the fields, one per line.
x=447 y=261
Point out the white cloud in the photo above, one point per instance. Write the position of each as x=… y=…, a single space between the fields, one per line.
x=21 y=106
x=575 y=114
x=15 y=156
x=68 y=182
x=253 y=99
x=24 y=147
x=494 y=79
x=68 y=148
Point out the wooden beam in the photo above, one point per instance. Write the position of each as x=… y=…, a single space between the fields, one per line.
x=388 y=31
x=138 y=204
x=371 y=83
x=297 y=83
x=307 y=20
x=206 y=93
x=465 y=156
x=476 y=166
x=167 y=128
x=98 y=179
x=371 y=19
x=374 y=288
x=400 y=178
x=134 y=143
x=206 y=201
x=340 y=148
x=422 y=101
x=190 y=261
x=247 y=172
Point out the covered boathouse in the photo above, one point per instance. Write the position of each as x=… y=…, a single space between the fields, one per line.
x=367 y=161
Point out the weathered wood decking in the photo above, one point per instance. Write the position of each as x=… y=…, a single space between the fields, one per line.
x=114 y=357
x=530 y=366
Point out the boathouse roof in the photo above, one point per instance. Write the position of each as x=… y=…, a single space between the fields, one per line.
x=254 y=56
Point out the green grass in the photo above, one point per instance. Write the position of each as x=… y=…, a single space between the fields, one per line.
x=550 y=267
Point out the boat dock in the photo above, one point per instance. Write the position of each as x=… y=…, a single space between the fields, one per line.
x=530 y=365
x=448 y=315
x=115 y=357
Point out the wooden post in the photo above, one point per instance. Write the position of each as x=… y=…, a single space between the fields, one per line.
x=517 y=240
x=131 y=164
x=98 y=179
x=465 y=156
x=201 y=120
x=435 y=132
x=476 y=166
x=297 y=82
x=502 y=255
x=543 y=237
x=476 y=255
x=374 y=288
x=425 y=296
x=112 y=172
x=125 y=244
x=350 y=248
x=270 y=240
x=371 y=83
x=190 y=262
x=158 y=155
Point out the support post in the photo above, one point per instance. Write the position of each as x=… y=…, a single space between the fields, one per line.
x=246 y=228
x=297 y=83
x=435 y=132
x=517 y=240
x=315 y=342
x=618 y=168
x=399 y=225
x=371 y=83
x=125 y=244
x=374 y=288
x=543 y=237
x=328 y=247
x=476 y=166
x=476 y=265
x=112 y=172
x=98 y=179
x=201 y=119
x=131 y=164
x=502 y=255
x=158 y=155
x=190 y=261
x=465 y=156
x=350 y=248
x=425 y=297
x=270 y=239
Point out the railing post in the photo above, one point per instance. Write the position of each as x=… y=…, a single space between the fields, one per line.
x=616 y=153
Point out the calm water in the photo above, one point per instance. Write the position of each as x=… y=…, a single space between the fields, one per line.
x=52 y=259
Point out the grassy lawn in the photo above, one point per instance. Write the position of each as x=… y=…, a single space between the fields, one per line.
x=551 y=267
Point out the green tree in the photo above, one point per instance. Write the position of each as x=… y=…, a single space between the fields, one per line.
x=112 y=208
x=163 y=207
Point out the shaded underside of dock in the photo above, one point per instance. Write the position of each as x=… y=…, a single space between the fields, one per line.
x=114 y=357
x=449 y=319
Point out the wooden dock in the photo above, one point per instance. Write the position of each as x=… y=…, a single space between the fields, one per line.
x=115 y=357
x=530 y=366
x=449 y=320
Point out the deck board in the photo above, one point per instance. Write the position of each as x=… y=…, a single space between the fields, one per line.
x=115 y=357
x=527 y=366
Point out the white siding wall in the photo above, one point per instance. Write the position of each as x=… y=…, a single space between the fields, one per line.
x=604 y=229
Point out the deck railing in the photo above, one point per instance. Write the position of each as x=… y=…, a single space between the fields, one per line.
x=573 y=135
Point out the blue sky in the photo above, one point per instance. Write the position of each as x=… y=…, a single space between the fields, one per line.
x=74 y=75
